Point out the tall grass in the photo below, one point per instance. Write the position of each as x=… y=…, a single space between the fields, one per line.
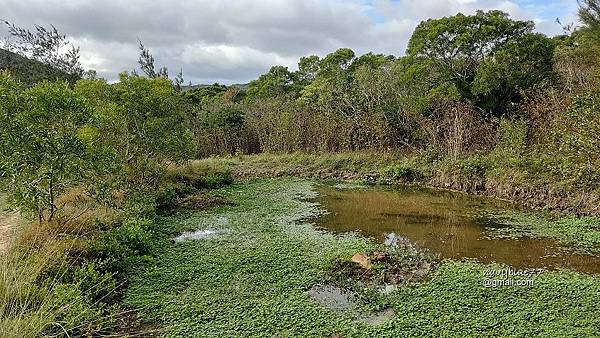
x=24 y=307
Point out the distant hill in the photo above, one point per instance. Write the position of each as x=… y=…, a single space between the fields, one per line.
x=30 y=71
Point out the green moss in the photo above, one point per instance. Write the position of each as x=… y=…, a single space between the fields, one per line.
x=251 y=281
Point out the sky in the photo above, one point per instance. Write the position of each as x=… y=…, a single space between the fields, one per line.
x=234 y=41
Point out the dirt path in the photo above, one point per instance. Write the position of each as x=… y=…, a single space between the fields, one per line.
x=8 y=222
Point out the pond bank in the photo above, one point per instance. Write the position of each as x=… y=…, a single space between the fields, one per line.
x=525 y=186
x=253 y=279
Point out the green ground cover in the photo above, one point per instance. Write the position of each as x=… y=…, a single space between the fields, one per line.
x=251 y=281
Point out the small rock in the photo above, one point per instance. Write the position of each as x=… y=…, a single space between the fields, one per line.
x=362 y=259
x=387 y=289
x=379 y=256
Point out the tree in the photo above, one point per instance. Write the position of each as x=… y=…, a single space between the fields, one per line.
x=42 y=153
x=486 y=45
x=520 y=64
x=331 y=81
x=139 y=122
x=276 y=82
x=146 y=62
x=202 y=95
x=589 y=13
x=46 y=45
x=308 y=67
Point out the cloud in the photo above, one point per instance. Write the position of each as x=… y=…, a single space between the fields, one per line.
x=236 y=40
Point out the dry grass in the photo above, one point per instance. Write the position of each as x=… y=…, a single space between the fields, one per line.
x=26 y=305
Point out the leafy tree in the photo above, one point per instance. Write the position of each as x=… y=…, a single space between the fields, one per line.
x=308 y=67
x=589 y=13
x=202 y=95
x=488 y=45
x=140 y=123
x=146 y=62
x=276 y=82
x=518 y=65
x=331 y=82
x=42 y=153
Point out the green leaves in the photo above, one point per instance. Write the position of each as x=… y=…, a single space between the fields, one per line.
x=42 y=153
x=487 y=56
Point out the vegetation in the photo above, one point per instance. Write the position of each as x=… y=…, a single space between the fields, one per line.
x=252 y=281
x=108 y=174
x=29 y=71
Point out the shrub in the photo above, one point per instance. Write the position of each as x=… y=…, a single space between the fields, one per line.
x=125 y=245
x=403 y=172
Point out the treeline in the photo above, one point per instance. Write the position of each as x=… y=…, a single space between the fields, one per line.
x=465 y=85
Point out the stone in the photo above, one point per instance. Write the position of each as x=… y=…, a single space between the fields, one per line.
x=363 y=260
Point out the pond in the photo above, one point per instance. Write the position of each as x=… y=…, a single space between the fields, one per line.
x=451 y=225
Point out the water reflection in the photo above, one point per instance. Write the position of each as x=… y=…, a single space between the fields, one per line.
x=446 y=223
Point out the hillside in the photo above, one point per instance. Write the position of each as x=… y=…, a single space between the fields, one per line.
x=29 y=71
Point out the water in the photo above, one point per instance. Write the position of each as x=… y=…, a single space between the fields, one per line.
x=446 y=223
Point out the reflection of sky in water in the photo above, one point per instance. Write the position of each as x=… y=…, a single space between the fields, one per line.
x=446 y=223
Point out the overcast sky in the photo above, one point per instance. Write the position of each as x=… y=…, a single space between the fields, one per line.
x=234 y=41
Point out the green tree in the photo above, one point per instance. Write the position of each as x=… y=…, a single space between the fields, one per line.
x=140 y=124
x=201 y=95
x=277 y=81
x=42 y=152
x=470 y=50
x=589 y=13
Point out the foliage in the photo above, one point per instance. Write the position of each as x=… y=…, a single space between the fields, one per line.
x=276 y=82
x=42 y=152
x=488 y=57
x=589 y=13
x=28 y=71
x=268 y=259
x=47 y=46
x=577 y=130
x=202 y=95
x=138 y=125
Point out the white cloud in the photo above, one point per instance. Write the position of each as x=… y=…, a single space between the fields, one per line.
x=236 y=40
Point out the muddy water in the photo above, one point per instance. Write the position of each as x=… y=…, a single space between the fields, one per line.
x=448 y=224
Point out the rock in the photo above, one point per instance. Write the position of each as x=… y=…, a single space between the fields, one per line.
x=387 y=289
x=423 y=270
x=362 y=259
x=379 y=256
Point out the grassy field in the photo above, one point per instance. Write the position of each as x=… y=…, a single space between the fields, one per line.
x=251 y=280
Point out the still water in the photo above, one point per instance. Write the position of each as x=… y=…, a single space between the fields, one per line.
x=448 y=224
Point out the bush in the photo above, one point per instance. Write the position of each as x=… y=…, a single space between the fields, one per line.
x=403 y=172
x=125 y=245
x=202 y=177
